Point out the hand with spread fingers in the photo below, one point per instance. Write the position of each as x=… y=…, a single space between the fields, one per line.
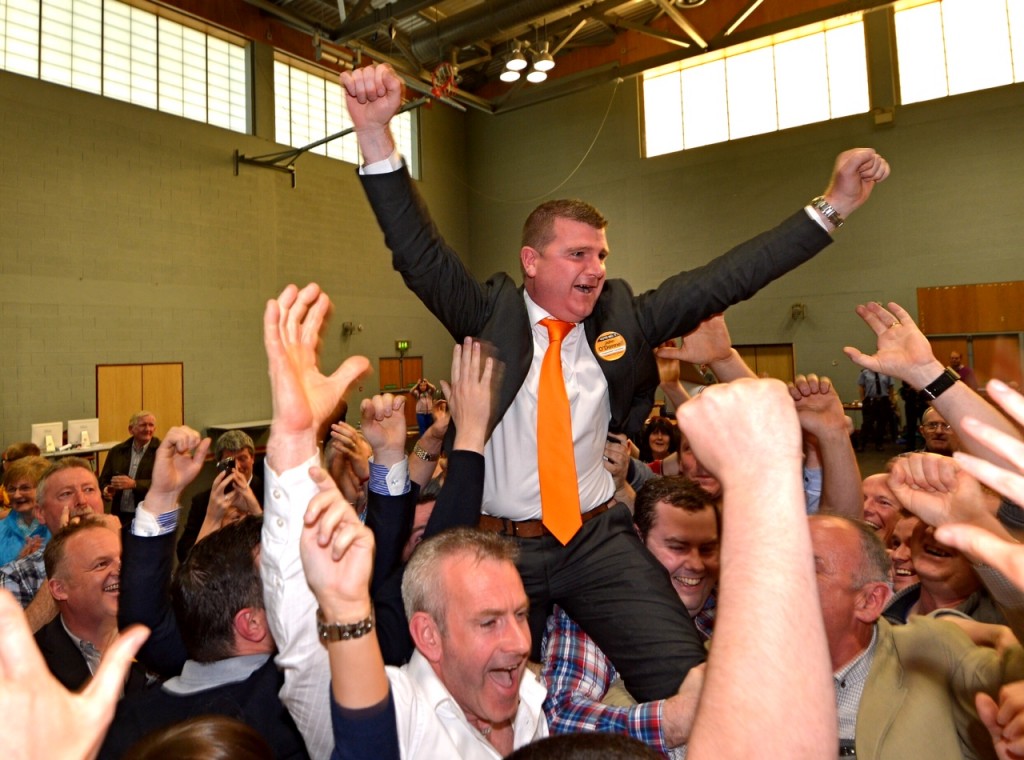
x=903 y=351
x=40 y=717
x=303 y=398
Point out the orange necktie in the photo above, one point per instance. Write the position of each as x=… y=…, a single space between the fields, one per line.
x=556 y=460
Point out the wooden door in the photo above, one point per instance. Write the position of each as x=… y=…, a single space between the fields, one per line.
x=398 y=375
x=776 y=360
x=123 y=389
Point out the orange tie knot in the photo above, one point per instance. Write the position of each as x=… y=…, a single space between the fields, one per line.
x=557 y=329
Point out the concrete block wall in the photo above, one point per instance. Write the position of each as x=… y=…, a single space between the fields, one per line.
x=125 y=237
x=952 y=212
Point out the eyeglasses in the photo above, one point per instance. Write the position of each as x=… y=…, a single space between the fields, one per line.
x=23 y=488
x=934 y=427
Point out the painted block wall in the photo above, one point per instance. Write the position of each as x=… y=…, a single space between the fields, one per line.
x=952 y=211
x=125 y=237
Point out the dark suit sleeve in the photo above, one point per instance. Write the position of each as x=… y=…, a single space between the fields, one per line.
x=431 y=269
x=679 y=304
x=194 y=523
x=459 y=502
x=369 y=734
x=145 y=579
x=390 y=519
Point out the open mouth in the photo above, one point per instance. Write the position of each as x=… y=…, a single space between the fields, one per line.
x=507 y=678
x=112 y=588
x=902 y=572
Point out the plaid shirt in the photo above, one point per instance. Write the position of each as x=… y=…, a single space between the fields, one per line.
x=24 y=577
x=577 y=676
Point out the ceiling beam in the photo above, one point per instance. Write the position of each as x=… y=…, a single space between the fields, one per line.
x=358 y=27
x=740 y=17
x=667 y=36
x=673 y=13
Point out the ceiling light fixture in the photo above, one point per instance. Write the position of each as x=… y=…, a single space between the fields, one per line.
x=516 y=60
x=543 y=60
x=509 y=76
x=536 y=76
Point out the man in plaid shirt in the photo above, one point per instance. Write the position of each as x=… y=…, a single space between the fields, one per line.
x=69 y=484
x=679 y=524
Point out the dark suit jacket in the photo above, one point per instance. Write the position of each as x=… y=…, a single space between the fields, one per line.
x=145 y=578
x=253 y=701
x=119 y=460
x=67 y=663
x=495 y=311
x=146 y=565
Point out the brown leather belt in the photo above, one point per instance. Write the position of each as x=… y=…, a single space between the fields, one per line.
x=532 y=528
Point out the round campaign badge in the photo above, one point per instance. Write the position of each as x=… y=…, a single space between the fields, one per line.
x=610 y=346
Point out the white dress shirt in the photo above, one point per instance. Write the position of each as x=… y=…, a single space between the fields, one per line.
x=511 y=483
x=291 y=608
x=431 y=723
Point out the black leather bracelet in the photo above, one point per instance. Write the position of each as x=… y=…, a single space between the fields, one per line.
x=941 y=384
x=1010 y=514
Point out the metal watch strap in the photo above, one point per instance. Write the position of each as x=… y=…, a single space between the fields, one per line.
x=423 y=454
x=941 y=384
x=330 y=632
x=827 y=210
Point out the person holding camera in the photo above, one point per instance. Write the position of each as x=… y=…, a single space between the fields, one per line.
x=236 y=491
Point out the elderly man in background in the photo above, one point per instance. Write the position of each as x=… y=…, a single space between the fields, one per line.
x=128 y=471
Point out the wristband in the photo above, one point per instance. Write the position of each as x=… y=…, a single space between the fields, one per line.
x=941 y=384
x=1010 y=515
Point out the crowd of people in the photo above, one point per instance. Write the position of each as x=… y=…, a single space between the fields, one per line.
x=575 y=582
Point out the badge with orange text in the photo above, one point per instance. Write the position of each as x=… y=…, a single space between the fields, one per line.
x=610 y=346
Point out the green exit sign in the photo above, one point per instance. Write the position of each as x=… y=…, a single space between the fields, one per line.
x=401 y=345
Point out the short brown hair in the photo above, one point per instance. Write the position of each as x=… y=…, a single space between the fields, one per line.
x=539 y=228
x=675 y=490
x=53 y=554
x=422 y=589
x=26 y=468
x=16 y=451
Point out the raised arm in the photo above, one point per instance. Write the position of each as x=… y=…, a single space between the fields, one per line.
x=425 y=452
x=748 y=435
x=823 y=421
x=148 y=551
x=470 y=395
x=904 y=352
x=710 y=344
x=337 y=557
x=304 y=401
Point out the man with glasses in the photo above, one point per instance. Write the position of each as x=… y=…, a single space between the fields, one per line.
x=939 y=436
